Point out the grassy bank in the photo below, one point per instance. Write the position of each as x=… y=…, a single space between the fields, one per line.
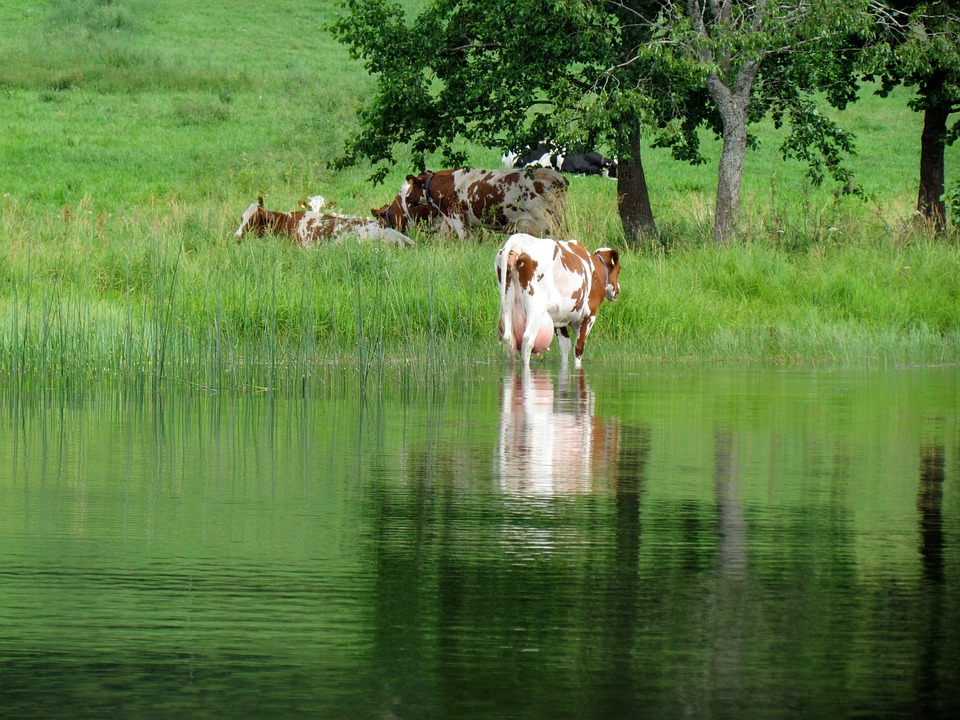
x=134 y=134
x=154 y=299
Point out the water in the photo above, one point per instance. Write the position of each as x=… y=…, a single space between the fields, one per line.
x=628 y=542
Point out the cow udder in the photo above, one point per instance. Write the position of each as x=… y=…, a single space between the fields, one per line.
x=544 y=337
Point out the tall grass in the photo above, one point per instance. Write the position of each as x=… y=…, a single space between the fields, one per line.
x=95 y=299
x=115 y=300
x=134 y=133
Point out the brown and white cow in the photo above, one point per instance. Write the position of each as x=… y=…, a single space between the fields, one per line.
x=552 y=287
x=308 y=227
x=508 y=200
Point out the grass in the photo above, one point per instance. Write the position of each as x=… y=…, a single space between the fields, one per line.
x=134 y=133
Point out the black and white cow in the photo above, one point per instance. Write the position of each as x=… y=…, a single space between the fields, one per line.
x=547 y=156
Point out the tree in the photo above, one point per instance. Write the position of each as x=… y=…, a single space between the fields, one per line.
x=507 y=73
x=510 y=73
x=768 y=55
x=922 y=51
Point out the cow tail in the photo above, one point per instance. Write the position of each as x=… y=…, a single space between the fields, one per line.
x=516 y=310
x=511 y=309
x=501 y=267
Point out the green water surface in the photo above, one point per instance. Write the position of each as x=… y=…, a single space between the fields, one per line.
x=628 y=542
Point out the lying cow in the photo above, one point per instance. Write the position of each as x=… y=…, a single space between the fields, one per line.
x=532 y=201
x=308 y=227
x=546 y=156
x=551 y=287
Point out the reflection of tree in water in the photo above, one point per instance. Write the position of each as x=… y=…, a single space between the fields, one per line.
x=930 y=507
x=771 y=629
x=711 y=606
x=728 y=601
x=620 y=588
x=716 y=674
x=498 y=598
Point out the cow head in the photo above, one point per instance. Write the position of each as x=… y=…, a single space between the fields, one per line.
x=610 y=261
x=315 y=203
x=412 y=204
x=416 y=191
x=254 y=219
x=390 y=216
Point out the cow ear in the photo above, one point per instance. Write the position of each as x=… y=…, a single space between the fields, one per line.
x=614 y=258
x=260 y=200
x=411 y=178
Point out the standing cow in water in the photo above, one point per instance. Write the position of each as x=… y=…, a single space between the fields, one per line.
x=552 y=287
x=528 y=200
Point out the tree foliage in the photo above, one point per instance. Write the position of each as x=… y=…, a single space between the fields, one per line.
x=511 y=73
x=610 y=74
x=492 y=72
x=769 y=56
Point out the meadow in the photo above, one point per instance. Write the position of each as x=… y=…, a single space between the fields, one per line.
x=133 y=134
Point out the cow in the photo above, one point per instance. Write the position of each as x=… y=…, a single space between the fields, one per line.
x=547 y=156
x=531 y=200
x=589 y=163
x=307 y=227
x=551 y=287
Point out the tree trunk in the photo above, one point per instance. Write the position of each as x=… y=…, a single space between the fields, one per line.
x=730 y=179
x=633 y=198
x=933 y=139
x=732 y=105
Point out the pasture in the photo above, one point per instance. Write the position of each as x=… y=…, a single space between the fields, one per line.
x=134 y=133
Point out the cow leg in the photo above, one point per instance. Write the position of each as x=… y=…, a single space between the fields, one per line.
x=505 y=328
x=563 y=340
x=583 y=332
x=526 y=347
x=509 y=343
x=506 y=337
x=457 y=225
x=505 y=325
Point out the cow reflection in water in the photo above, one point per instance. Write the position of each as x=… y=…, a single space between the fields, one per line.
x=550 y=440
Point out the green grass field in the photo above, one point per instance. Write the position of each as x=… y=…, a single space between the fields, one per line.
x=133 y=134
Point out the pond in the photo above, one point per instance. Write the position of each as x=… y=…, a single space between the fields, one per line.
x=649 y=542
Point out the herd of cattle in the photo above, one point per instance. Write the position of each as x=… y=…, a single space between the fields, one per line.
x=547 y=287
